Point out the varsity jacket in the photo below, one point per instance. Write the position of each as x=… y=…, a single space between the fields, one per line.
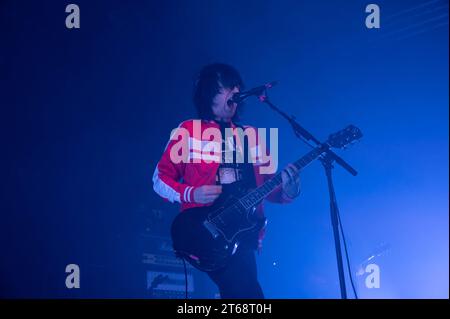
x=191 y=159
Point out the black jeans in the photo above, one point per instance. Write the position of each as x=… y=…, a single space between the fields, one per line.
x=239 y=278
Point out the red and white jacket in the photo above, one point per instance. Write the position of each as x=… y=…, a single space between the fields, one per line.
x=175 y=180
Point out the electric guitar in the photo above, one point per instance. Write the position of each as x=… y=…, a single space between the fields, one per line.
x=208 y=236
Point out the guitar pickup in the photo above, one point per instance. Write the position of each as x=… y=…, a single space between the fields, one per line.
x=211 y=228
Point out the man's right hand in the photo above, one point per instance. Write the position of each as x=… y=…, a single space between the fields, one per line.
x=207 y=193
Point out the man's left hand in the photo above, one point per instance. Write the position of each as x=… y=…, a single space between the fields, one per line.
x=290 y=177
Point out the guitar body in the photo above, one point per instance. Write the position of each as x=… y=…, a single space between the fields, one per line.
x=207 y=237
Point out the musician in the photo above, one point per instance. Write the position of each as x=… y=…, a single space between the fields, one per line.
x=199 y=183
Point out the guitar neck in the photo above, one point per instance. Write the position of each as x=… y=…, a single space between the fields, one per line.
x=257 y=195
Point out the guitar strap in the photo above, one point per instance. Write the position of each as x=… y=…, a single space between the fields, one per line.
x=234 y=171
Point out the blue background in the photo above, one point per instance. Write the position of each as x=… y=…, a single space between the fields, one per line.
x=86 y=114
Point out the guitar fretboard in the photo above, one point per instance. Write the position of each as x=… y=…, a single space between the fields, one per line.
x=257 y=195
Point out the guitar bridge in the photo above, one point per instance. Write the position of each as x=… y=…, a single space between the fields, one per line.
x=211 y=228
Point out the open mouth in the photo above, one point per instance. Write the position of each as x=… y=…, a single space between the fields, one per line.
x=230 y=105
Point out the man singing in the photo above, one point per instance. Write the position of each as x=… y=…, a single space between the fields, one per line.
x=197 y=181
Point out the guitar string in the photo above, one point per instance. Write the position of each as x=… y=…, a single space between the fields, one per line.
x=262 y=191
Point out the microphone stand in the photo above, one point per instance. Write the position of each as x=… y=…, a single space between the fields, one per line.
x=327 y=162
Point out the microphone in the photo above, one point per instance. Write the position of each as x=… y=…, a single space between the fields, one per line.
x=241 y=96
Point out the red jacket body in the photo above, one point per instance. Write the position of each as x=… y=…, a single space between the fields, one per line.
x=191 y=159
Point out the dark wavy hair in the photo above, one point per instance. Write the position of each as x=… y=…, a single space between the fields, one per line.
x=207 y=85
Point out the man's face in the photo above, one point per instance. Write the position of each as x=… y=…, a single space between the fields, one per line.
x=220 y=107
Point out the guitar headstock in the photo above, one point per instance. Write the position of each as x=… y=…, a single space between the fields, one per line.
x=344 y=137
